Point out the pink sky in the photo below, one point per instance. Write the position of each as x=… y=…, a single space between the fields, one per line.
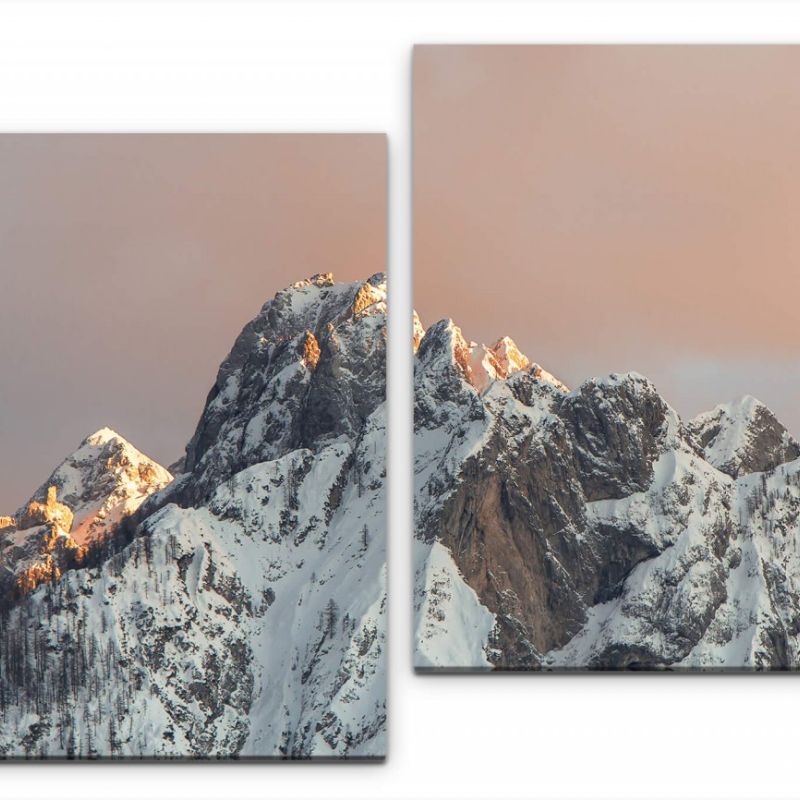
x=129 y=264
x=617 y=208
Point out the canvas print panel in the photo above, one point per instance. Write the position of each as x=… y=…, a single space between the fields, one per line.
x=223 y=598
x=606 y=367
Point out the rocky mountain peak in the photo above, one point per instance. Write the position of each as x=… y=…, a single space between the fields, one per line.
x=743 y=436
x=507 y=357
x=479 y=365
x=443 y=341
x=77 y=508
x=308 y=369
x=105 y=478
x=320 y=279
x=102 y=437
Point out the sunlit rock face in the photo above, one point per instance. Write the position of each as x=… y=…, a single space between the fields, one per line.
x=237 y=609
x=36 y=546
x=50 y=512
x=593 y=528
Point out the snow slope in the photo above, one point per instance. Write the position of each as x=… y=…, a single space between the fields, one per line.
x=453 y=628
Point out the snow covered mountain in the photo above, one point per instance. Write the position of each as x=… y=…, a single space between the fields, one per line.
x=239 y=609
x=103 y=481
x=593 y=528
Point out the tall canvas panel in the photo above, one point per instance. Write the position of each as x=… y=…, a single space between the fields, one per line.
x=193 y=427
x=607 y=374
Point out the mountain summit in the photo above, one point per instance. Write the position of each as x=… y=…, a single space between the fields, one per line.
x=78 y=508
x=743 y=436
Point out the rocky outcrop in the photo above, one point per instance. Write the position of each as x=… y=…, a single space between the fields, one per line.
x=41 y=549
x=50 y=512
x=310 y=351
x=55 y=553
x=596 y=528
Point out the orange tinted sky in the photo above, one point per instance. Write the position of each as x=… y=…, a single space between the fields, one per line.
x=129 y=264
x=616 y=208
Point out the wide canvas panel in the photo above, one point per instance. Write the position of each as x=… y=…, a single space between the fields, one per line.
x=188 y=573
x=607 y=378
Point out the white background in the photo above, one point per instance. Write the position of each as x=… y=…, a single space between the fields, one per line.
x=296 y=66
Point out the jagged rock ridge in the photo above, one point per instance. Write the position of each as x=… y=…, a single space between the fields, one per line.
x=593 y=528
x=239 y=609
